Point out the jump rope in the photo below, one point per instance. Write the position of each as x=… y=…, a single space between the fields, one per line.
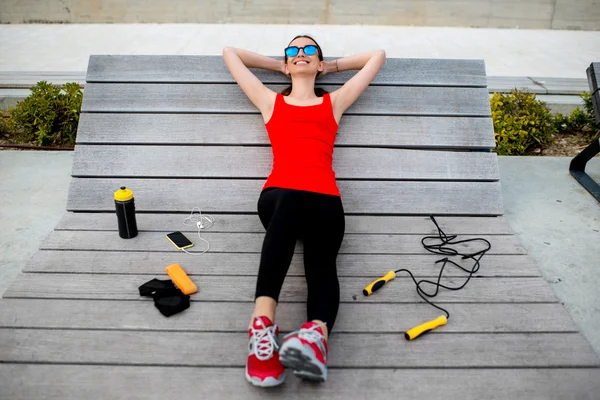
x=203 y=222
x=443 y=247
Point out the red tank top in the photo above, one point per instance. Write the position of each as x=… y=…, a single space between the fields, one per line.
x=302 y=139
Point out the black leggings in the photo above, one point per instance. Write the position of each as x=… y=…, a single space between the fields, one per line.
x=318 y=221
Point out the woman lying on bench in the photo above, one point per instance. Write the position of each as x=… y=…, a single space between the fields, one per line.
x=299 y=201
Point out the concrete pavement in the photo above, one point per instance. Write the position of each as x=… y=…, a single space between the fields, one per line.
x=34 y=186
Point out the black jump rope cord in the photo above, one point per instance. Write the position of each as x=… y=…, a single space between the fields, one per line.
x=442 y=249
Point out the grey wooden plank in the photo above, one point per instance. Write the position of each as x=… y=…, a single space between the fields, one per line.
x=227 y=98
x=204 y=317
x=562 y=85
x=252 y=243
x=358 y=197
x=39 y=74
x=368 y=265
x=538 y=85
x=596 y=104
x=593 y=77
x=251 y=223
x=241 y=289
x=28 y=79
x=354 y=130
x=256 y=162
x=212 y=69
x=59 y=382
x=593 y=74
x=504 y=84
x=345 y=350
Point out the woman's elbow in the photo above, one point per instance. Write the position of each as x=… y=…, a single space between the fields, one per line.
x=228 y=49
x=378 y=57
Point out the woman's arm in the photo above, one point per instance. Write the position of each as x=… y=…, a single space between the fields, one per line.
x=369 y=65
x=255 y=60
x=238 y=61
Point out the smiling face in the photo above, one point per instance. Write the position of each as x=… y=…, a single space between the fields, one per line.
x=302 y=64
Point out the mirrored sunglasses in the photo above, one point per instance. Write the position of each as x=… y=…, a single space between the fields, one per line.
x=293 y=51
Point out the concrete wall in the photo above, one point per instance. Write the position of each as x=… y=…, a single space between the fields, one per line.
x=533 y=14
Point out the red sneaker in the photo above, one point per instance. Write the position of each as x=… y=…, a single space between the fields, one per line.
x=263 y=367
x=305 y=351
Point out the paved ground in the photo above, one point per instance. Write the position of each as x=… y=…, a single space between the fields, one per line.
x=34 y=188
x=507 y=52
x=556 y=220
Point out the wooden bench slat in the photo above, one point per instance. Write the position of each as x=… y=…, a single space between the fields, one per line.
x=593 y=75
x=227 y=98
x=256 y=162
x=368 y=265
x=561 y=85
x=204 y=317
x=251 y=223
x=57 y=382
x=207 y=69
x=247 y=129
x=504 y=84
x=241 y=289
x=252 y=243
x=358 y=197
x=346 y=350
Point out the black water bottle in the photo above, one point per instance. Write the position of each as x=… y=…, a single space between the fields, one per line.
x=126 y=213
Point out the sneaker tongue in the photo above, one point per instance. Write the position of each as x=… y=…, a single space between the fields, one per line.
x=266 y=321
x=310 y=324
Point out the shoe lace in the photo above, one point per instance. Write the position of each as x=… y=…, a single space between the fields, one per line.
x=265 y=342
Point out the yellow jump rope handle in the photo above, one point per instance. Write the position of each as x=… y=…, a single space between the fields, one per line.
x=426 y=327
x=378 y=284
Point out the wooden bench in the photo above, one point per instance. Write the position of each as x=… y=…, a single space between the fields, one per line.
x=180 y=133
x=577 y=166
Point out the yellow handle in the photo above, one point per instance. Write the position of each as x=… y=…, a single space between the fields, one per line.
x=426 y=327
x=378 y=284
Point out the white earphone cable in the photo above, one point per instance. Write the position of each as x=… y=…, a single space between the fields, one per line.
x=202 y=222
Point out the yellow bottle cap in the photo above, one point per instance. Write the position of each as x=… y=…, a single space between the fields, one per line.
x=123 y=194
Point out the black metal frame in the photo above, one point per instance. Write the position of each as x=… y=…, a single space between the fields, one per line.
x=577 y=166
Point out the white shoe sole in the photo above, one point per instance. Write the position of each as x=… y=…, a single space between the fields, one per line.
x=267 y=382
x=302 y=360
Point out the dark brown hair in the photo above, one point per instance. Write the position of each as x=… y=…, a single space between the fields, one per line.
x=319 y=92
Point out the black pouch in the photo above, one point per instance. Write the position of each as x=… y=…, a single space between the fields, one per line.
x=167 y=297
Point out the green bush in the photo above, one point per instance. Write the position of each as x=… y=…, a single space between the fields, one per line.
x=521 y=122
x=49 y=115
x=4 y=132
x=579 y=121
